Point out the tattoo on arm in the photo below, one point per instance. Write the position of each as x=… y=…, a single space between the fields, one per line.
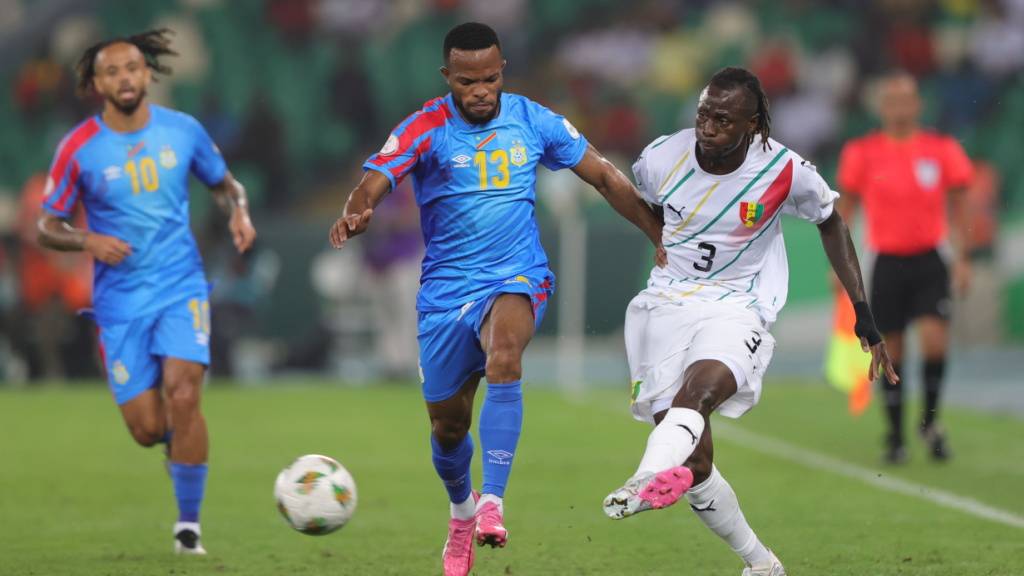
x=230 y=194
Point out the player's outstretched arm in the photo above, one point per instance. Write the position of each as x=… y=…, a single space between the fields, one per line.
x=835 y=237
x=597 y=171
x=230 y=196
x=359 y=207
x=55 y=233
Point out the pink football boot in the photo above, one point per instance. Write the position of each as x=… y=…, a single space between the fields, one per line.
x=490 y=526
x=458 y=548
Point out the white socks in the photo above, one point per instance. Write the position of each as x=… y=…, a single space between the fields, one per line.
x=672 y=441
x=715 y=503
x=464 y=510
x=498 y=501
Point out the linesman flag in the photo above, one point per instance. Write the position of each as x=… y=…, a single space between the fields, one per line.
x=846 y=365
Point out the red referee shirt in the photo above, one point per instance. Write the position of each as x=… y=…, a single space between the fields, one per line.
x=903 y=186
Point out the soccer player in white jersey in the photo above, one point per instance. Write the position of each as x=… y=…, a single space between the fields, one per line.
x=697 y=337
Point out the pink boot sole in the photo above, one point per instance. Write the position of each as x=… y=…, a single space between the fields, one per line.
x=667 y=487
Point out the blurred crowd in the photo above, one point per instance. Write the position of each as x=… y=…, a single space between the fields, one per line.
x=298 y=92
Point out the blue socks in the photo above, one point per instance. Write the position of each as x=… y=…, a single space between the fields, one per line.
x=453 y=468
x=189 y=484
x=501 y=420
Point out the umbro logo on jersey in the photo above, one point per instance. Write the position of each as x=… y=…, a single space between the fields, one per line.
x=461 y=161
x=112 y=172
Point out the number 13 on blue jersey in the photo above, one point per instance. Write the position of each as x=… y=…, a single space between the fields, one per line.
x=499 y=158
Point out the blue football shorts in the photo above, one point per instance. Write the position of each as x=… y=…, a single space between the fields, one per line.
x=449 y=340
x=133 y=351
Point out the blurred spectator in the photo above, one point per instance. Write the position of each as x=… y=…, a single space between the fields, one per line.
x=774 y=63
x=997 y=44
x=262 y=143
x=241 y=283
x=391 y=253
x=54 y=286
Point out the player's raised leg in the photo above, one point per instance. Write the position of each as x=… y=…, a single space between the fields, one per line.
x=504 y=335
x=183 y=383
x=452 y=452
x=661 y=479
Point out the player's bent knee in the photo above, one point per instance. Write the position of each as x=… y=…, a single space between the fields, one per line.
x=449 y=433
x=703 y=399
x=183 y=397
x=146 y=434
x=503 y=365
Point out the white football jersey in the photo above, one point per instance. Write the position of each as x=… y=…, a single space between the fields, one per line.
x=722 y=233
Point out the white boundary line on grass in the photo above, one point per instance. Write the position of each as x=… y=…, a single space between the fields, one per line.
x=818 y=461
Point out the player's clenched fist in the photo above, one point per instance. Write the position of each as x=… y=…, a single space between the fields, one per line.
x=242 y=231
x=107 y=249
x=348 y=226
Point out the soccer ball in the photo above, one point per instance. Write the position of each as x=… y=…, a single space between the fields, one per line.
x=315 y=494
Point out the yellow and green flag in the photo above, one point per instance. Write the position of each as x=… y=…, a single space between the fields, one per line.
x=846 y=365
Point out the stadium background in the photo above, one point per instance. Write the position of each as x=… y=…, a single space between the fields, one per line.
x=297 y=93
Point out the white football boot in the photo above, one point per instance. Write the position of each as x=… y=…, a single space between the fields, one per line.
x=648 y=492
x=186 y=539
x=771 y=568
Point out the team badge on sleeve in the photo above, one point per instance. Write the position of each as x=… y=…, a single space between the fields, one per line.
x=390 y=147
x=570 y=129
x=750 y=213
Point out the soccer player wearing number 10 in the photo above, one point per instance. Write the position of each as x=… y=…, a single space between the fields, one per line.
x=697 y=338
x=485 y=284
x=129 y=168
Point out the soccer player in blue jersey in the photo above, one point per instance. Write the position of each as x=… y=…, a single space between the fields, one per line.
x=485 y=283
x=129 y=167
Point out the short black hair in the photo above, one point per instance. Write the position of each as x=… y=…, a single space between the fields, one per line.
x=735 y=77
x=153 y=44
x=470 y=36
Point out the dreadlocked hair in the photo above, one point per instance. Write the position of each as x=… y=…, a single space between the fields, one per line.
x=153 y=44
x=733 y=77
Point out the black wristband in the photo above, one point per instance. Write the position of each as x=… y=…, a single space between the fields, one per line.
x=865 y=325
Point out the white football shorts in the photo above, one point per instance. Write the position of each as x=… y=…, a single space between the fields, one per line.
x=663 y=338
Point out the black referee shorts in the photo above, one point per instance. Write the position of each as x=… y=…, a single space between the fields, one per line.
x=907 y=287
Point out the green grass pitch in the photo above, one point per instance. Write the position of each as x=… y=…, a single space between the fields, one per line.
x=78 y=497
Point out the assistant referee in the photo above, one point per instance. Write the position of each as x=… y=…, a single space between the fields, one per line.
x=904 y=176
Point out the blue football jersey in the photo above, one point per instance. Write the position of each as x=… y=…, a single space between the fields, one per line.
x=475 y=187
x=134 y=186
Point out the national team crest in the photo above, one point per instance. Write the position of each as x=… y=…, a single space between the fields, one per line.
x=750 y=213
x=927 y=172
x=120 y=372
x=167 y=158
x=517 y=154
